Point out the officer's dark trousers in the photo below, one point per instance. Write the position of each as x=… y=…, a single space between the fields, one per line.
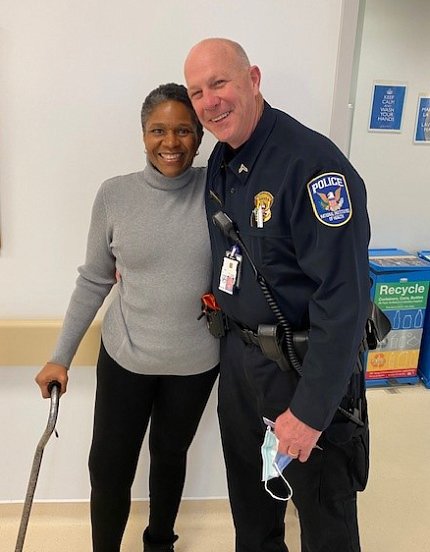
x=324 y=487
x=124 y=404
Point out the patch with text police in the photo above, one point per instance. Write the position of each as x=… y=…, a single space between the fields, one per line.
x=330 y=199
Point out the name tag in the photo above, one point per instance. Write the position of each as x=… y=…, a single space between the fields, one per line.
x=230 y=271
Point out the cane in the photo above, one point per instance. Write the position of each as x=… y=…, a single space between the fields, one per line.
x=54 y=388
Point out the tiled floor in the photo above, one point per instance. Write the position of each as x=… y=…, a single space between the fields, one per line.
x=394 y=510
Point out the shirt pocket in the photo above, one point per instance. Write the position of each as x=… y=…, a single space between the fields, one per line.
x=271 y=251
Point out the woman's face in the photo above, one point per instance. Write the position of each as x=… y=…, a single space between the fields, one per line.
x=170 y=138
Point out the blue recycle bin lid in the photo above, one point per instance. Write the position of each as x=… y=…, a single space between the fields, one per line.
x=395 y=260
x=424 y=254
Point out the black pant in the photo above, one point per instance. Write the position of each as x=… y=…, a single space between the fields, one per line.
x=324 y=487
x=124 y=404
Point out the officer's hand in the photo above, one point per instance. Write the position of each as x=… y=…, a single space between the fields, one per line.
x=295 y=437
x=49 y=373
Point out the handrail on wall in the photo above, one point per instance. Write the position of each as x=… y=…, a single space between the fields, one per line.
x=31 y=342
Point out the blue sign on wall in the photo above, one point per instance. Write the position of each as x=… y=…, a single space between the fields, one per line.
x=387 y=107
x=422 y=126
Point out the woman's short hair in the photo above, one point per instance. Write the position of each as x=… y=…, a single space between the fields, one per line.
x=169 y=92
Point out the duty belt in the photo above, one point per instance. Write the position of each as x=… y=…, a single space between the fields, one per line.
x=270 y=339
x=248 y=336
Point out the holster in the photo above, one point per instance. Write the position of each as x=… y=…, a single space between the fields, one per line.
x=217 y=323
x=270 y=340
x=273 y=346
x=301 y=343
x=378 y=326
x=216 y=320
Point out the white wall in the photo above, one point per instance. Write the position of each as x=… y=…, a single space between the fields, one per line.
x=73 y=76
x=73 y=79
x=64 y=474
x=395 y=47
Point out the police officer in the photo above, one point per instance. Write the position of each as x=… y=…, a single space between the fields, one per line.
x=299 y=208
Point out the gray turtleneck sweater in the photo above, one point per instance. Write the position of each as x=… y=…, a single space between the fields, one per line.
x=152 y=230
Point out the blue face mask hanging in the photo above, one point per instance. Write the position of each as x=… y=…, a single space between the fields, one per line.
x=274 y=463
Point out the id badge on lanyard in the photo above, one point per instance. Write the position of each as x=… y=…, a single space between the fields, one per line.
x=230 y=272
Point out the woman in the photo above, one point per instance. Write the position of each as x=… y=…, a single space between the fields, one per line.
x=157 y=362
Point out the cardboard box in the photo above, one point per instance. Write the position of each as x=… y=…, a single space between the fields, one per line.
x=424 y=358
x=400 y=286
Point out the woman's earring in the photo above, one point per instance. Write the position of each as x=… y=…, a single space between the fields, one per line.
x=196 y=154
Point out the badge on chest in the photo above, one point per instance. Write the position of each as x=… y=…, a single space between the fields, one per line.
x=261 y=213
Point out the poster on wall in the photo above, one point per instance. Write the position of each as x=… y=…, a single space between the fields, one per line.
x=387 y=107
x=422 y=123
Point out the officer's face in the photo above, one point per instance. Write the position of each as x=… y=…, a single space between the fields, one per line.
x=170 y=138
x=224 y=92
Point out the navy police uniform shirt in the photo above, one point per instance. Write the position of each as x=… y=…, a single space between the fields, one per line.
x=311 y=246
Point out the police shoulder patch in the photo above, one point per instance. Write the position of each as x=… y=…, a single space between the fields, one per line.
x=330 y=200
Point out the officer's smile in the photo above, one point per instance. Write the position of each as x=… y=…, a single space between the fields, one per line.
x=221 y=117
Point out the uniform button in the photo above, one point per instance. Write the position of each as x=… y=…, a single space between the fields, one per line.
x=232 y=190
